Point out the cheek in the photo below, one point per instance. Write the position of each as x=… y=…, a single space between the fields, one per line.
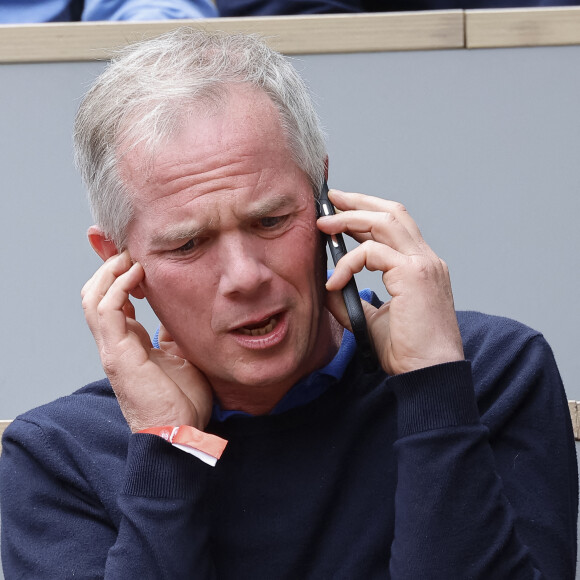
x=304 y=261
x=294 y=252
x=173 y=286
x=157 y=278
x=315 y=248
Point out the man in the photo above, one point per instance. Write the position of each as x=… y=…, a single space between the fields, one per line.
x=203 y=158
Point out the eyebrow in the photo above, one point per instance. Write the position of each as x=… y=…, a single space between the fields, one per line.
x=188 y=231
x=270 y=205
x=176 y=233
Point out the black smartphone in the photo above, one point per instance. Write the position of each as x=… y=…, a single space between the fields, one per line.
x=350 y=293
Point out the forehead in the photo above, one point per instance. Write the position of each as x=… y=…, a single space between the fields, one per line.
x=234 y=156
x=244 y=127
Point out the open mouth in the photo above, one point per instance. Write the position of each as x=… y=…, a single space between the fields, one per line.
x=260 y=328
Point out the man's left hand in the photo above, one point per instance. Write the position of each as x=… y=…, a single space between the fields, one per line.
x=418 y=327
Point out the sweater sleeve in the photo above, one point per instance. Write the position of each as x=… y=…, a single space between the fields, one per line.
x=54 y=526
x=488 y=492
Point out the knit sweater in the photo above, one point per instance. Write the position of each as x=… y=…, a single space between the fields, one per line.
x=463 y=470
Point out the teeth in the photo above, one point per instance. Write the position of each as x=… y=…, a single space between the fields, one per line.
x=269 y=327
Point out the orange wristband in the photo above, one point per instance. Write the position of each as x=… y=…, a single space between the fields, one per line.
x=190 y=439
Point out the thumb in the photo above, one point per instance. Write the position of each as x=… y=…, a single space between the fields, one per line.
x=369 y=310
x=375 y=323
x=336 y=306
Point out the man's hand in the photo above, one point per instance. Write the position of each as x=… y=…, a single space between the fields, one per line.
x=418 y=326
x=155 y=387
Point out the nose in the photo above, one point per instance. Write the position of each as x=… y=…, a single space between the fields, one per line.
x=242 y=265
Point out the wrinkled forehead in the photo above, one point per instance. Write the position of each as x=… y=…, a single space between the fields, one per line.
x=242 y=127
x=217 y=171
x=147 y=131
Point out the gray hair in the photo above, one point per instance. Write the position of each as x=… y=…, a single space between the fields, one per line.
x=147 y=89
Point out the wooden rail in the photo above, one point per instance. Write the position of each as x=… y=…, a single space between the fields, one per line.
x=373 y=32
x=575 y=415
x=73 y=41
x=3 y=425
x=522 y=27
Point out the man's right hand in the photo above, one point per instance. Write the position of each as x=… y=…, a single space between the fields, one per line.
x=154 y=387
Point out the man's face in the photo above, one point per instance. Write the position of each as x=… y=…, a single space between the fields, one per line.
x=224 y=227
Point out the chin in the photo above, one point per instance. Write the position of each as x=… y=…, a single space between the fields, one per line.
x=269 y=374
x=275 y=375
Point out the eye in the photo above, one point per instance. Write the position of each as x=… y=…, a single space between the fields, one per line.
x=187 y=247
x=271 y=222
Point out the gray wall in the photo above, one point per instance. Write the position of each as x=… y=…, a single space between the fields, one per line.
x=482 y=147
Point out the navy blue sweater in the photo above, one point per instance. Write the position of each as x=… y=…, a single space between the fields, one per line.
x=464 y=470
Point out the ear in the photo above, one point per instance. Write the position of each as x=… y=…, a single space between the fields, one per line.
x=101 y=244
x=326 y=168
x=107 y=248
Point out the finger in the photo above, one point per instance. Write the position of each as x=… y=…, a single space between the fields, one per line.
x=134 y=327
x=363 y=225
x=345 y=201
x=110 y=269
x=98 y=285
x=111 y=318
x=370 y=310
x=129 y=309
x=372 y=255
x=335 y=304
x=371 y=316
x=115 y=290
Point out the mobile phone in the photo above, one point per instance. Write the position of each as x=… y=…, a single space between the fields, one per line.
x=350 y=293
